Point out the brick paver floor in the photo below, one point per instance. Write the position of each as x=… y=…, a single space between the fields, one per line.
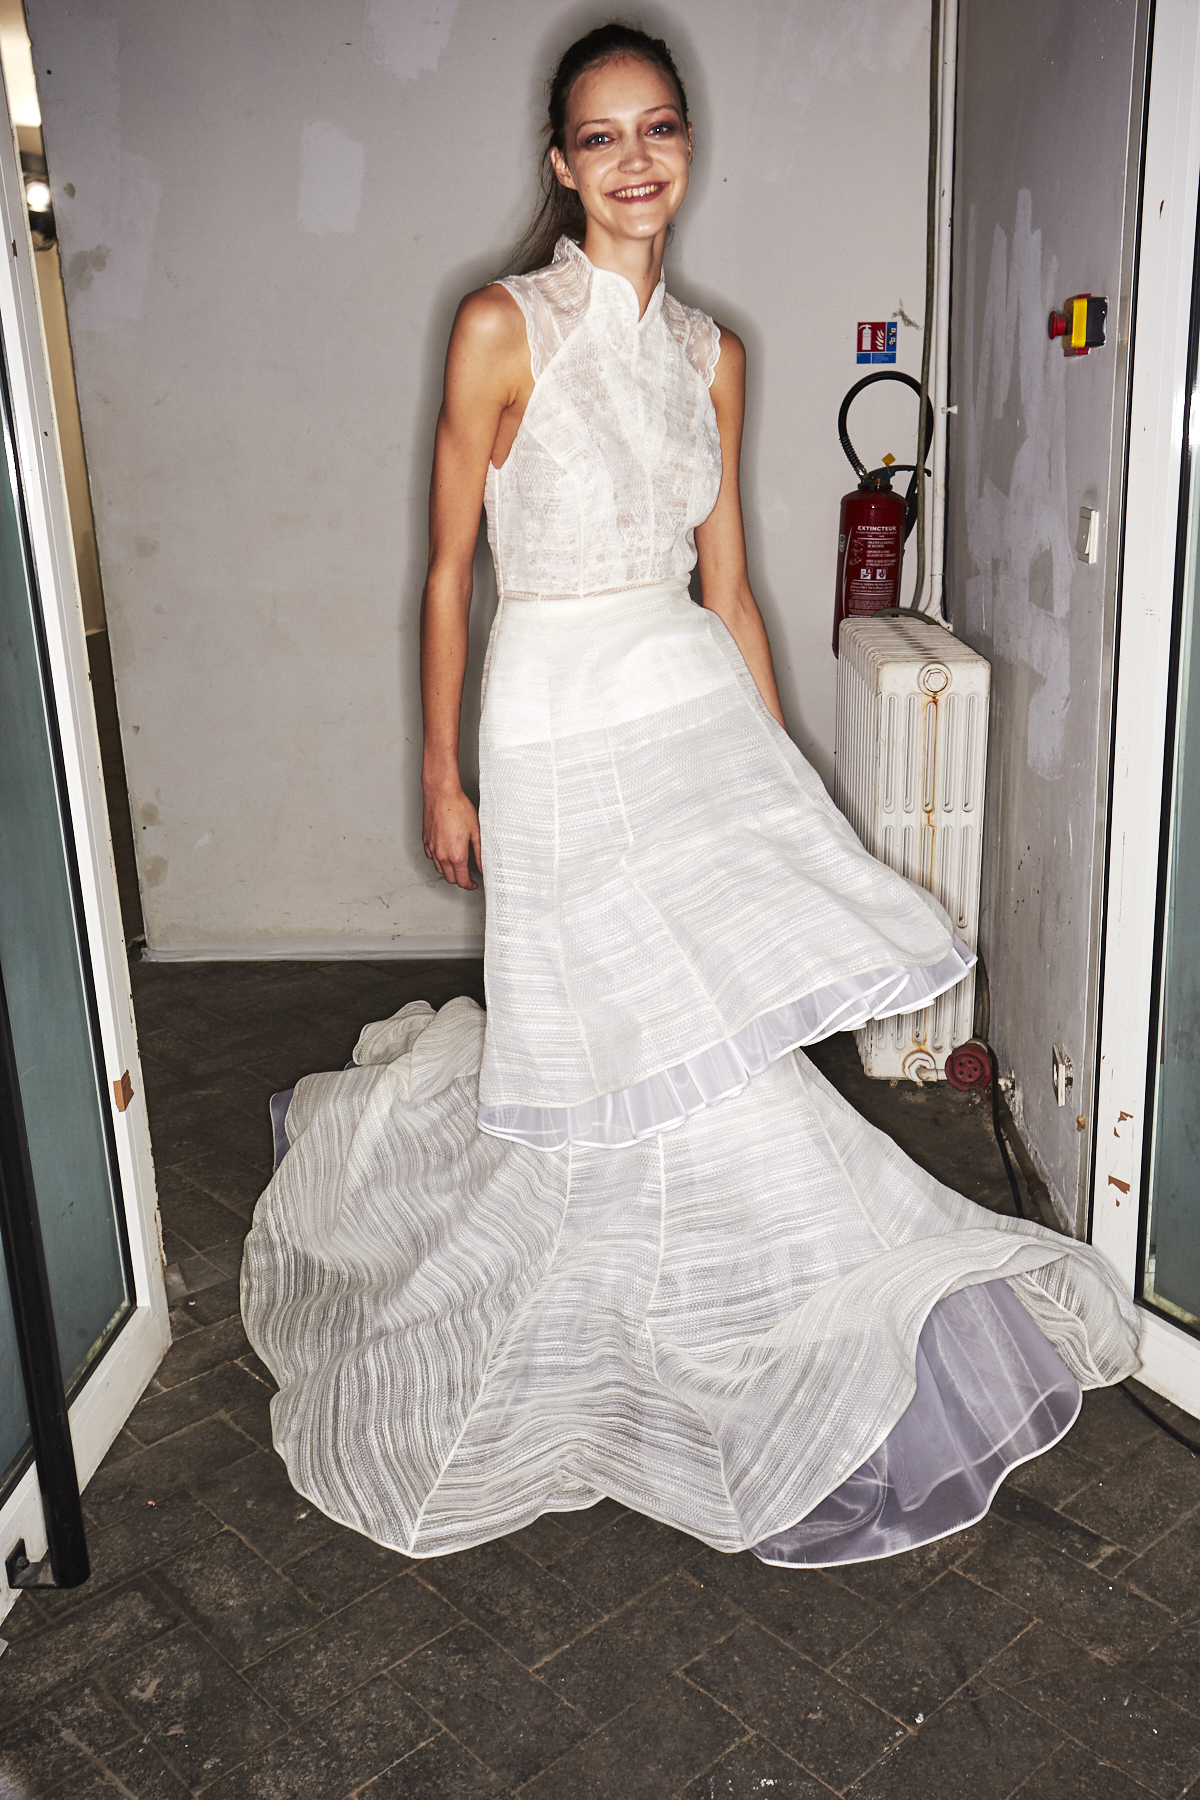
x=233 y=1642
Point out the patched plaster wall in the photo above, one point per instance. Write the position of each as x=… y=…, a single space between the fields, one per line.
x=268 y=213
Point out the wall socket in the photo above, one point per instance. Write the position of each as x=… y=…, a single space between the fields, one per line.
x=1064 y=1074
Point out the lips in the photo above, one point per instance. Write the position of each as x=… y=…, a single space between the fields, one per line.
x=646 y=190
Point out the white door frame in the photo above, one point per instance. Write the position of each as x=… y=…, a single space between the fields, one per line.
x=1170 y=1354
x=114 y=1386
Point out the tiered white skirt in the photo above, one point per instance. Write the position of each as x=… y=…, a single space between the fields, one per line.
x=673 y=899
x=717 y=1326
x=628 y=1241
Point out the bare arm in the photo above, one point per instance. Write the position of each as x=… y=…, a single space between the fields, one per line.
x=487 y=382
x=721 y=540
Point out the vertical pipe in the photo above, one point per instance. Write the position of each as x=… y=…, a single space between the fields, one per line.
x=33 y=1319
x=937 y=8
x=940 y=383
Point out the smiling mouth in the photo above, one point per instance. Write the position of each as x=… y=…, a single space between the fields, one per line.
x=649 y=190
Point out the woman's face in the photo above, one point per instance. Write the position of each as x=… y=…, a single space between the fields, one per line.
x=627 y=148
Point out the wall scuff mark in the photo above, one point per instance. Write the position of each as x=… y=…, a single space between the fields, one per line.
x=116 y=191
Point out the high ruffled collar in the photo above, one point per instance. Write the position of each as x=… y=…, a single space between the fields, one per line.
x=615 y=292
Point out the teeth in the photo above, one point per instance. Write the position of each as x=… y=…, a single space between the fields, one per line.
x=635 y=193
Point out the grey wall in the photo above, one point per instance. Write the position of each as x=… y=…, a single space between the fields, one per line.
x=268 y=211
x=1049 y=121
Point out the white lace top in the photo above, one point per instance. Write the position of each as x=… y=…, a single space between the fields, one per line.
x=617 y=458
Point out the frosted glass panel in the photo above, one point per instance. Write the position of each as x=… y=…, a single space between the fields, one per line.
x=40 y=956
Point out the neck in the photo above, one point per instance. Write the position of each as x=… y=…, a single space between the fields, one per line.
x=639 y=260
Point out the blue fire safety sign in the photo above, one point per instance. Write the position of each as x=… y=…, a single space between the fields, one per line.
x=876 y=341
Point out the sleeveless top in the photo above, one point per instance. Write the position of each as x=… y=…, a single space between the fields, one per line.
x=617 y=458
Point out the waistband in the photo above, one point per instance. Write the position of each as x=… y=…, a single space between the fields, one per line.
x=621 y=599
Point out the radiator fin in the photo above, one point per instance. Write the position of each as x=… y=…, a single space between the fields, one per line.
x=910 y=761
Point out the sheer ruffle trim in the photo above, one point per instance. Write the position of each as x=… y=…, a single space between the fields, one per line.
x=662 y=1102
x=992 y=1392
x=698 y=336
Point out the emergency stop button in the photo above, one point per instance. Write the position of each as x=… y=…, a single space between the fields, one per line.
x=1081 y=324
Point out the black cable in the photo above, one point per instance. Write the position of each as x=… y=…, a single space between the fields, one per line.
x=1187 y=1442
x=1008 y=1168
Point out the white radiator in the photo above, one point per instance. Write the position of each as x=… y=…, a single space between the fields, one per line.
x=909 y=765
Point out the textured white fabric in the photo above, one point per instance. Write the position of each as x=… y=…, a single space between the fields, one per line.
x=991 y=1393
x=617 y=458
x=662 y=866
x=716 y=1326
x=664 y=1101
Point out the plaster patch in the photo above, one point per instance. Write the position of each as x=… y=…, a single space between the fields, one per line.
x=331 y=179
x=408 y=36
x=813 y=46
x=1018 y=533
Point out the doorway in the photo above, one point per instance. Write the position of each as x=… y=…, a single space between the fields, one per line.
x=1146 y=1201
x=16 y=60
x=62 y=951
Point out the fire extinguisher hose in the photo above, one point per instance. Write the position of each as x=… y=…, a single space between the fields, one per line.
x=912 y=497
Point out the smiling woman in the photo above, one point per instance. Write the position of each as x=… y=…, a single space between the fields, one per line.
x=619 y=1237
x=655 y=92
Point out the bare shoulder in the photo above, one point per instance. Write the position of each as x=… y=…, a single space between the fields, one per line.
x=728 y=388
x=731 y=364
x=490 y=322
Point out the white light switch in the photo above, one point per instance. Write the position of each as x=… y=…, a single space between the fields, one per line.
x=1087 y=544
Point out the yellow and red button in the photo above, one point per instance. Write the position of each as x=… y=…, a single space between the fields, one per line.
x=1081 y=324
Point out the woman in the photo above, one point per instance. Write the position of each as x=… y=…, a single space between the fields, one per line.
x=620 y=1237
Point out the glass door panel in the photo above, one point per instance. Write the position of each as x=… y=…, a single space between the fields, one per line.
x=1171 y=1257
x=49 y=996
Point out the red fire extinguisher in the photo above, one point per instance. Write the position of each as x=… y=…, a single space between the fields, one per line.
x=875 y=522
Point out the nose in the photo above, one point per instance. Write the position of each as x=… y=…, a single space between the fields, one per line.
x=634 y=154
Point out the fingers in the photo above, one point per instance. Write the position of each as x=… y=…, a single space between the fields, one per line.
x=450 y=836
x=455 y=870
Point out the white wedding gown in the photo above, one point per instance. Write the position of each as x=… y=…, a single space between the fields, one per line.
x=618 y=1236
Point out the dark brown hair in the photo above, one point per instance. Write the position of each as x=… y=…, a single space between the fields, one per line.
x=560 y=211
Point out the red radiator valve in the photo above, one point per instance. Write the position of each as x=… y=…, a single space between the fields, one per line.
x=969 y=1066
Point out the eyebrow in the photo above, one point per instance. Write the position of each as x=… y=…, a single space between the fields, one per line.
x=666 y=106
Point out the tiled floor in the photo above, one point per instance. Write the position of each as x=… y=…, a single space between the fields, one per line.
x=233 y=1642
